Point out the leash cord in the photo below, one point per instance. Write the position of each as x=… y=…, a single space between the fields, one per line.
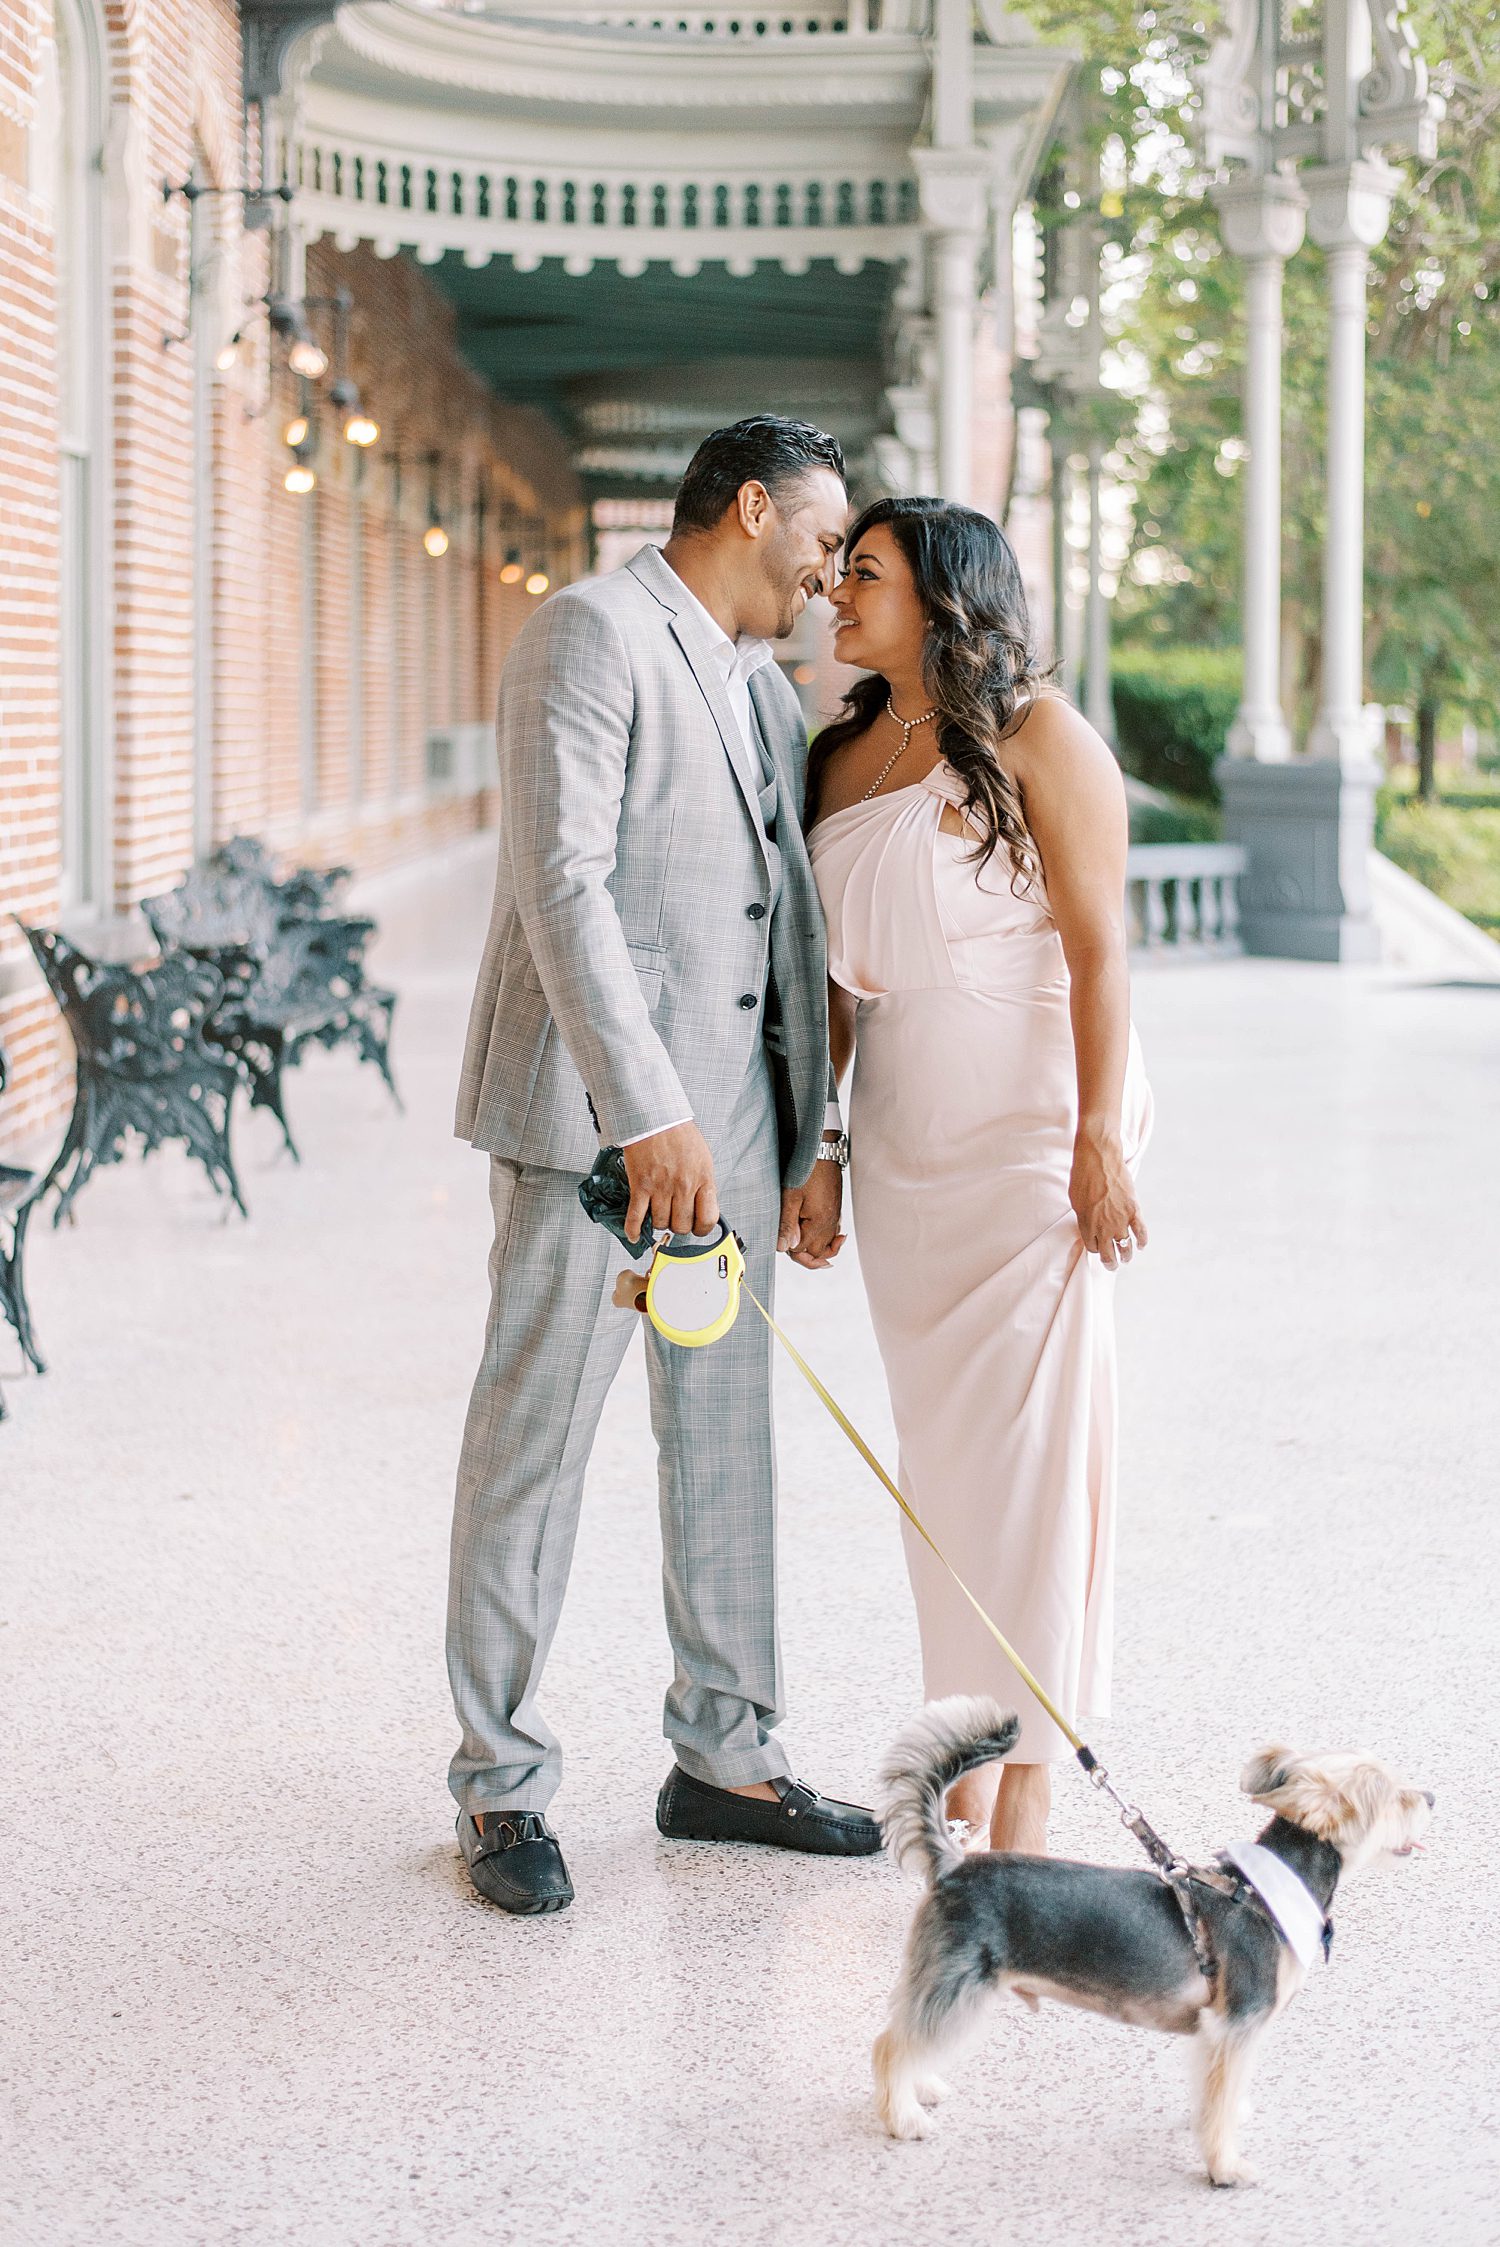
x=1171 y=1868
x=1079 y=1746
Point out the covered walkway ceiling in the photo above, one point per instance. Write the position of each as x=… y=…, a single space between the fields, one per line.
x=635 y=370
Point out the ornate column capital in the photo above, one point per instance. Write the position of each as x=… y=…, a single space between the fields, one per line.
x=952 y=189
x=1262 y=215
x=1349 y=205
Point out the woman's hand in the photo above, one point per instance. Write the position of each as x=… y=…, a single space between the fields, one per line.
x=1102 y=1193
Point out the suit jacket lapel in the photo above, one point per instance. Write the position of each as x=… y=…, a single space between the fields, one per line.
x=662 y=582
x=705 y=671
x=774 y=734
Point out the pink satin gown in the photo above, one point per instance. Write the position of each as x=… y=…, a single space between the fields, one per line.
x=995 y=1328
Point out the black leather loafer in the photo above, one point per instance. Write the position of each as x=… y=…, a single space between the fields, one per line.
x=515 y=1862
x=687 y=1810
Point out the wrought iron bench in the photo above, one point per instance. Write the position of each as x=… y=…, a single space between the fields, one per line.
x=309 y=989
x=214 y=910
x=307 y=890
x=144 y=1065
x=293 y=974
x=16 y=1199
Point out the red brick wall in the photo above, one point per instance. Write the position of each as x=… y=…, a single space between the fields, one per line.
x=426 y=645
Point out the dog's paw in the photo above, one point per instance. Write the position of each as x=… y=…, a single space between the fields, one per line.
x=907 y=2121
x=931 y=2090
x=1224 y=2174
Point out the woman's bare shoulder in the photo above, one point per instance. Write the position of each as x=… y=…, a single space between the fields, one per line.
x=1053 y=731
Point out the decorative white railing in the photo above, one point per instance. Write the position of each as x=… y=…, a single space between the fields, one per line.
x=1184 y=895
x=588 y=198
x=858 y=19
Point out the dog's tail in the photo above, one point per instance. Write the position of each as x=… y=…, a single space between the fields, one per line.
x=948 y=1738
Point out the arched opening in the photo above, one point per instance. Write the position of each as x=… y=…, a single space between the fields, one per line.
x=84 y=842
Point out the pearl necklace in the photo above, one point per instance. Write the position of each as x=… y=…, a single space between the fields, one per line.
x=908 y=728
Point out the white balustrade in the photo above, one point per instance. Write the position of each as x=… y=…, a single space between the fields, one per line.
x=540 y=195
x=1184 y=896
x=845 y=19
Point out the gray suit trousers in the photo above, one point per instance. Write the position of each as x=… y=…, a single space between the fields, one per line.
x=553 y=1345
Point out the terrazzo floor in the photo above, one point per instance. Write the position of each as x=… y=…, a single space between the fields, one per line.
x=247 y=1994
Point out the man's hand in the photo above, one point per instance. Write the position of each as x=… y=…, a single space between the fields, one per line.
x=809 y=1231
x=672 y=1181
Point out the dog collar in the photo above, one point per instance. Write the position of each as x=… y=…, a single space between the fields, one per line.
x=1301 y=1919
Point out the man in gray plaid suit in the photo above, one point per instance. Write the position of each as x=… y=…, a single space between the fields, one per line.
x=653 y=979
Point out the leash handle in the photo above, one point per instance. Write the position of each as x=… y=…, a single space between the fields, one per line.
x=1074 y=1739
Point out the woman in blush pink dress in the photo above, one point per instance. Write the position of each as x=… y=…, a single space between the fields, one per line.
x=968 y=832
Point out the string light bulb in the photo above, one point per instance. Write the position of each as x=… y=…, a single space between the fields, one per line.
x=360 y=428
x=537 y=583
x=295 y=432
x=300 y=478
x=512 y=573
x=228 y=353
x=435 y=539
x=307 y=358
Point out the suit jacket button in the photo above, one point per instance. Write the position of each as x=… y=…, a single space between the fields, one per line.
x=748 y=1000
x=755 y=912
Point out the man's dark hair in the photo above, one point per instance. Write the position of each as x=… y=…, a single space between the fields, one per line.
x=763 y=449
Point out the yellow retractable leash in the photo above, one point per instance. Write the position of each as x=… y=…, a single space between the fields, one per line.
x=693 y=1287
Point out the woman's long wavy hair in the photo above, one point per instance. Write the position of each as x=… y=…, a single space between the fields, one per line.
x=981 y=664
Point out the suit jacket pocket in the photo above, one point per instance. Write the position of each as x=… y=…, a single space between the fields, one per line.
x=648 y=960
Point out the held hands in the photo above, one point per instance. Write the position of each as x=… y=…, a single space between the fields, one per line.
x=672 y=1181
x=1103 y=1198
x=809 y=1230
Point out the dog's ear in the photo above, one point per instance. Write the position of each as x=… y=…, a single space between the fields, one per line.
x=1267 y=1771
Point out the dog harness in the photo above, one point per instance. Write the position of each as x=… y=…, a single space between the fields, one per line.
x=1300 y=1918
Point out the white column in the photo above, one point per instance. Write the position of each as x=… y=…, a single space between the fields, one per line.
x=1340 y=724
x=1098 y=706
x=1058 y=444
x=1262 y=223
x=953 y=185
x=1348 y=212
x=954 y=278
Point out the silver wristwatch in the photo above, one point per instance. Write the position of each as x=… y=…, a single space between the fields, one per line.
x=835 y=1150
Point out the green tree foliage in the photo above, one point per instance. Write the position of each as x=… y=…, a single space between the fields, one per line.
x=1433 y=475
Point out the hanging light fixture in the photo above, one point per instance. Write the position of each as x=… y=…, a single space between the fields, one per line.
x=359 y=427
x=435 y=537
x=229 y=351
x=306 y=356
x=512 y=573
x=537 y=583
x=295 y=432
x=299 y=477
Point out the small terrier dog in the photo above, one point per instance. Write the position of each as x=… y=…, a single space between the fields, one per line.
x=1108 y=1941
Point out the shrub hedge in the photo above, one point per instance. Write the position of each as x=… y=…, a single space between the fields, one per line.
x=1454 y=851
x=1173 y=711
